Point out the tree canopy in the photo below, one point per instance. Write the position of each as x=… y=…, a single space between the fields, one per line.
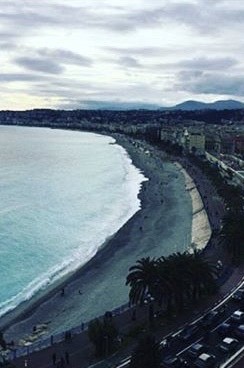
x=174 y=281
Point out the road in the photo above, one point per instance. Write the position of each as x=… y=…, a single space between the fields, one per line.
x=204 y=332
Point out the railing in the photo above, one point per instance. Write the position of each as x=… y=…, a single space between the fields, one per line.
x=46 y=342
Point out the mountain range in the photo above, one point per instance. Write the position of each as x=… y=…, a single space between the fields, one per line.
x=217 y=105
x=190 y=105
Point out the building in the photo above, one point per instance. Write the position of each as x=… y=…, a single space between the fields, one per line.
x=195 y=141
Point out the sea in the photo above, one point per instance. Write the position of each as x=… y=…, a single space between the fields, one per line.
x=61 y=196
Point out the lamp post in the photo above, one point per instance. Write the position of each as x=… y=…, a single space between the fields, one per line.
x=106 y=344
x=149 y=301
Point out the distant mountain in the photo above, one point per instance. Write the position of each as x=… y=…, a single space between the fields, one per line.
x=217 y=105
x=190 y=105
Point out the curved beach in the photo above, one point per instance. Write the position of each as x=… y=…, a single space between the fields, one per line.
x=162 y=226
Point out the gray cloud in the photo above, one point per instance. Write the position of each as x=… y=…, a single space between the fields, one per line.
x=51 y=61
x=211 y=83
x=65 y=56
x=119 y=19
x=200 y=64
x=208 y=63
x=19 y=77
x=140 y=51
x=128 y=61
x=39 y=64
x=64 y=88
x=205 y=18
x=101 y=104
x=199 y=16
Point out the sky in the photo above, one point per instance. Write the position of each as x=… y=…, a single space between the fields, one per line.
x=81 y=53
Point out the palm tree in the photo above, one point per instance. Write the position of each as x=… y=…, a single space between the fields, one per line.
x=232 y=234
x=142 y=279
x=202 y=274
x=103 y=335
x=174 y=282
x=183 y=278
x=171 y=286
x=147 y=353
x=165 y=286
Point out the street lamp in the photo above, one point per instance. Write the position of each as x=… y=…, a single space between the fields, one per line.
x=149 y=299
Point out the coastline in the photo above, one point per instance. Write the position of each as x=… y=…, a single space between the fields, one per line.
x=34 y=312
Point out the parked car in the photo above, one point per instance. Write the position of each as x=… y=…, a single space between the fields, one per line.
x=238 y=295
x=171 y=361
x=238 y=316
x=210 y=318
x=188 y=332
x=239 y=331
x=185 y=362
x=225 y=329
x=205 y=360
x=228 y=345
x=196 y=349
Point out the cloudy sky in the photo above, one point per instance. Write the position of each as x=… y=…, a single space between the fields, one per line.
x=74 y=54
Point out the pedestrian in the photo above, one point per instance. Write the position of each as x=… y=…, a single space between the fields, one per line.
x=133 y=317
x=62 y=362
x=54 y=358
x=26 y=363
x=67 y=357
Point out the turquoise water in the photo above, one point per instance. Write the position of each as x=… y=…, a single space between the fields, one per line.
x=61 y=195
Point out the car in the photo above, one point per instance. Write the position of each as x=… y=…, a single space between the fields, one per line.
x=237 y=316
x=205 y=360
x=209 y=318
x=224 y=329
x=188 y=332
x=171 y=361
x=239 y=331
x=238 y=295
x=196 y=349
x=185 y=363
x=228 y=344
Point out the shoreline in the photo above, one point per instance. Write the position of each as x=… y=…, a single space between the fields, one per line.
x=24 y=315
